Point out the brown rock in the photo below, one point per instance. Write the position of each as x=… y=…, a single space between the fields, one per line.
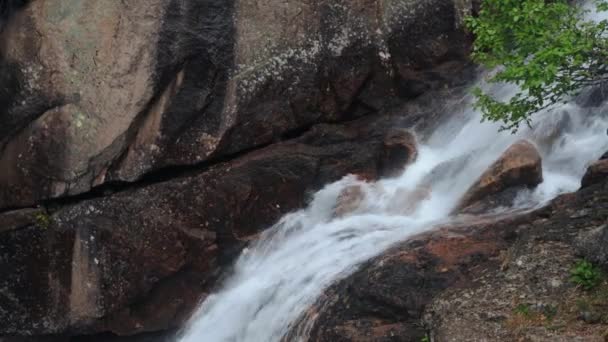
x=519 y=166
x=139 y=260
x=387 y=297
x=77 y=87
x=596 y=173
x=400 y=150
x=112 y=92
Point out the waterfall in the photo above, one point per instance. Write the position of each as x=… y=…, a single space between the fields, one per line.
x=282 y=274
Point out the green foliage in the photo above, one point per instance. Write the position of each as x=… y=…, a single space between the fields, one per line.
x=425 y=339
x=547 y=312
x=586 y=275
x=523 y=309
x=543 y=46
x=43 y=220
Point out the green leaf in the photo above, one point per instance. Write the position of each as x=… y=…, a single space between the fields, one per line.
x=544 y=47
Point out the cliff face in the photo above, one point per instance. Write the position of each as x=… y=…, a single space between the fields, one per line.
x=143 y=143
x=98 y=93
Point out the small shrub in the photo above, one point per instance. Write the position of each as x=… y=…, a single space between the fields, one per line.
x=586 y=275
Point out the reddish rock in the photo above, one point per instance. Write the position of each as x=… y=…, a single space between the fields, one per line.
x=519 y=166
x=387 y=297
x=465 y=281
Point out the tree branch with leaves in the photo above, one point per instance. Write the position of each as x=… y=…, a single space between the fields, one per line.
x=546 y=47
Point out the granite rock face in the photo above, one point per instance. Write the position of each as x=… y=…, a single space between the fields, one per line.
x=107 y=92
x=144 y=143
x=140 y=259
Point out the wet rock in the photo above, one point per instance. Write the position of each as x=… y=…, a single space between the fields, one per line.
x=503 y=278
x=387 y=297
x=110 y=93
x=493 y=202
x=140 y=260
x=113 y=92
x=448 y=168
x=596 y=173
x=400 y=150
x=519 y=166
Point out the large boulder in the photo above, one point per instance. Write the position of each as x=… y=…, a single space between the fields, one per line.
x=154 y=139
x=107 y=92
x=520 y=166
x=139 y=260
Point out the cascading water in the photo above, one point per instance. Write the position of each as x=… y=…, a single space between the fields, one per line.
x=283 y=273
x=293 y=262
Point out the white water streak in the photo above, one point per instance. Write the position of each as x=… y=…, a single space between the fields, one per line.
x=282 y=275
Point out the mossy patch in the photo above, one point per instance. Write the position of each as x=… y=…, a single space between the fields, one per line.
x=43 y=220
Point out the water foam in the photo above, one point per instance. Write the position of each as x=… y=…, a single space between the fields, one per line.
x=288 y=268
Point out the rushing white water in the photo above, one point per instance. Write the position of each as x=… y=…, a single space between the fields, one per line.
x=282 y=274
